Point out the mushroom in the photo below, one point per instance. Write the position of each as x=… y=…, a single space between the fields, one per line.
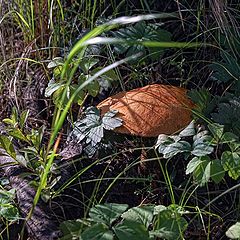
x=150 y=110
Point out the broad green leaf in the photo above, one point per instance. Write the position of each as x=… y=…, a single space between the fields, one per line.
x=216 y=130
x=231 y=163
x=193 y=164
x=229 y=137
x=107 y=213
x=169 y=225
x=217 y=171
x=9 y=212
x=142 y=215
x=87 y=63
x=131 y=230
x=234 y=231
x=98 y=231
x=202 y=149
x=175 y=148
x=202 y=173
x=17 y=133
x=7 y=145
x=72 y=229
x=93 y=88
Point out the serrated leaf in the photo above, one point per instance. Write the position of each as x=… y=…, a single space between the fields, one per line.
x=231 y=163
x=131 y=230
x=217 y=171
x=175 y=148
x=98 y=231
x=142 y=215
x=234 y=231
x=203 y=171
x=193 y=164
x=216 y=130
x=107 y=213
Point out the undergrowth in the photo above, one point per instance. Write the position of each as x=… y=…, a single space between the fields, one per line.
x=59 y=60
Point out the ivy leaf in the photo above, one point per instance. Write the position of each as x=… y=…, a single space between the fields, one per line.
x=52 y=87
x=234 y=231
x=57 y=61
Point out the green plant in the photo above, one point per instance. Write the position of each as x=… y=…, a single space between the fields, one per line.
x=116 y=221
x=57 y=86
x=138 y=33
x=206 y=161
x=234 y=231
x=90 y=129
x=8 y=210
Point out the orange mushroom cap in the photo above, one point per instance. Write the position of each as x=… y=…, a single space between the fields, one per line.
x=150 y=110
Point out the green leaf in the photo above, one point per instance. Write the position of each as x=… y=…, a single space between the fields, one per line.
x=72 y=229
x=109 y=121
x=53 y=87
x=7 y=145
x=216 y=130
x=107 y=213
x=202 y=173
x=138 y=33
x=9 y=212
x=189 y=130
x=169 y=225
x=202 y=149
x=23 y=118
x=142 y=215
x=17 y=133
x=231 y=163
x=234 y=231
x=98 y=231
x=193 y=164
x=93 y=88
x=229 y=137
x=131 y=230
x=217 y=171
x=175 y=148
x=87 y=63
x=57 y=61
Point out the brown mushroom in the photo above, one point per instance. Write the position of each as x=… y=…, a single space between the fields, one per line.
x=150 y=110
